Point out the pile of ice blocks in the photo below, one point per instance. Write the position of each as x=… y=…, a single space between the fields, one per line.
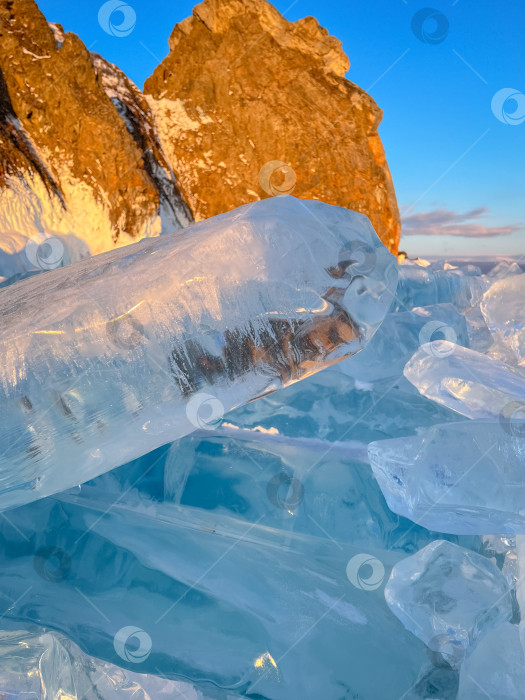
x=357 y=534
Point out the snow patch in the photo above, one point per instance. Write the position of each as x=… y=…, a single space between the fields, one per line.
x=171 y=117
x=27 y=212
x=30 y=53
x=58 y=33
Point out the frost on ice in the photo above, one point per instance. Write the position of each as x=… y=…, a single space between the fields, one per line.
x=113 y=356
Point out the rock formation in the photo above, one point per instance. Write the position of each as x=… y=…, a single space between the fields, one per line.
x=78 y=151
x=86 y=156
x=243 y=86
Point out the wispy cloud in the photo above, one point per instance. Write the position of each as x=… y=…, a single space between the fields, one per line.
x=443 y=222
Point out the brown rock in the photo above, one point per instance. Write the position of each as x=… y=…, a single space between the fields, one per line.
x=138 y=117
x=74 y=122
x=242 y=86
x=17 y=156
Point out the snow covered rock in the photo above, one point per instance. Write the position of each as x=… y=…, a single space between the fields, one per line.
x=78 y=155
x=84 y=154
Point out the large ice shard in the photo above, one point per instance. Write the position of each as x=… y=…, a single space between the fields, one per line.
x=424 y=286
x=503 y=308
x=449 y=597
x=467 y=381
x=462 y=478
x=113 y=356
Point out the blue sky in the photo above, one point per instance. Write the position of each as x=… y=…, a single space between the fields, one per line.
x=457 y=168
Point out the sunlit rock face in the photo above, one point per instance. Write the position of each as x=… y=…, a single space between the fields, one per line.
x=132 y=343
x=243 y=87
x=78 y=152
x=89 y=159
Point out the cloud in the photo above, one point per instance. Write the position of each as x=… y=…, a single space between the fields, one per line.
x=443 y=222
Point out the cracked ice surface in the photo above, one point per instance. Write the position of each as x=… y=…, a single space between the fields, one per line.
x=215 y=595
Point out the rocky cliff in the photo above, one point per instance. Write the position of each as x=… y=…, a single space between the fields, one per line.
x=78 y=151
x=245 y=105
x=243 y=87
